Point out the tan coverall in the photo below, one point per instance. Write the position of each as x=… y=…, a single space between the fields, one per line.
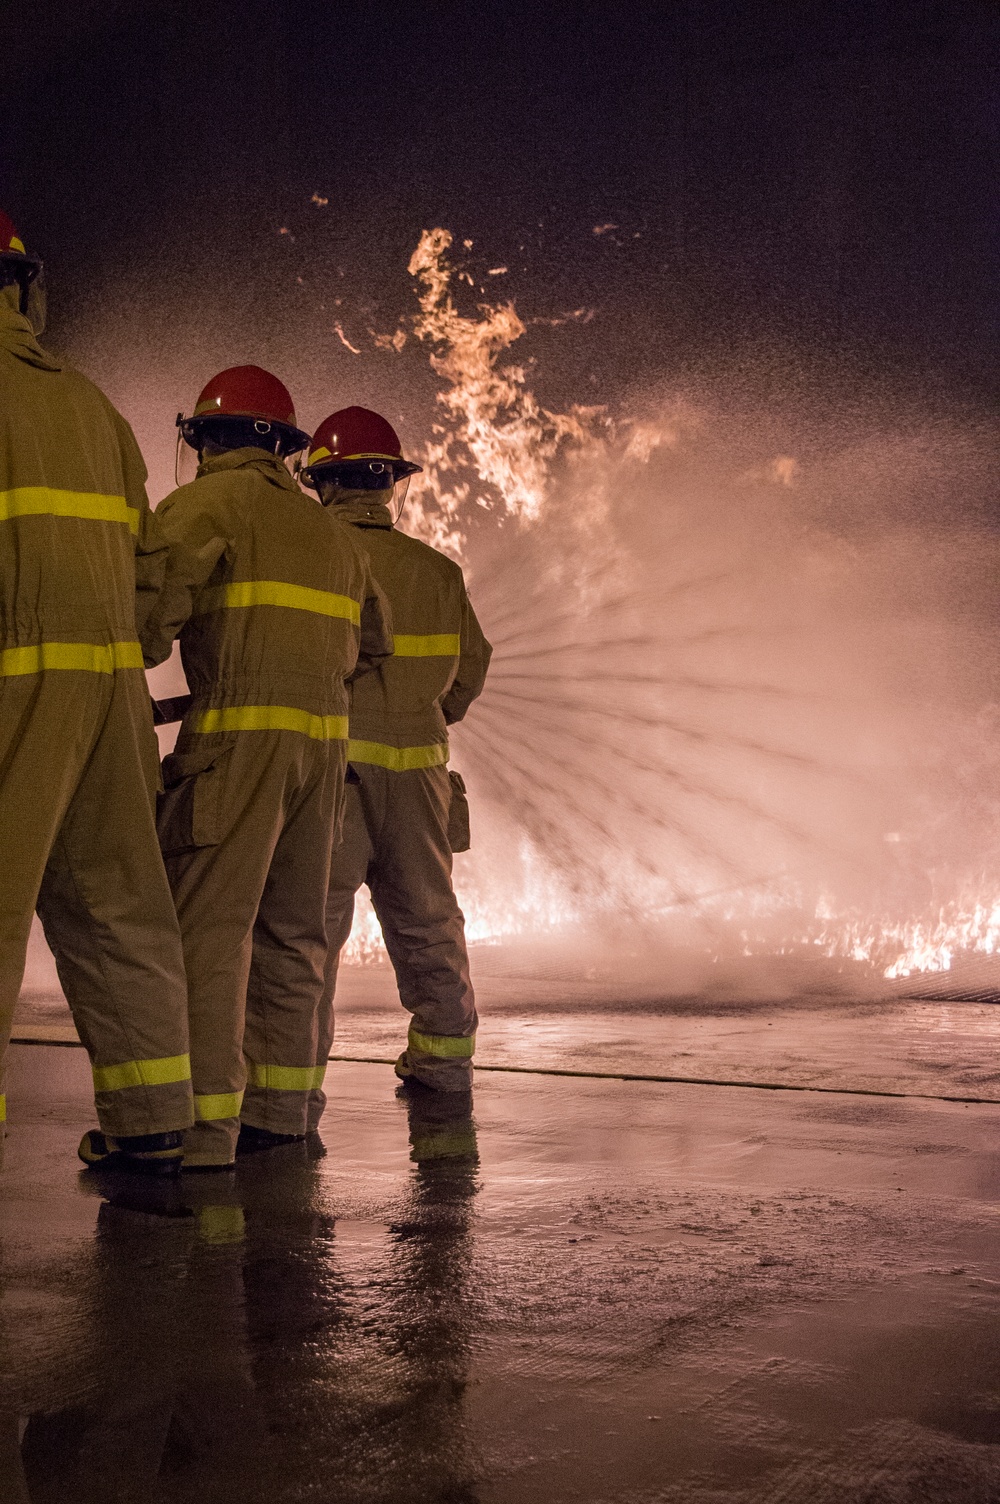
x=395 y=834
x=282 y=603
x=78 y=756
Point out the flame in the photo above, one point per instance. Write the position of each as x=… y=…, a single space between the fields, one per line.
x=929 y=943
x=496 y=432
x=496 y=447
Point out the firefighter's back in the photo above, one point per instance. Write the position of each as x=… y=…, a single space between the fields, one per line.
x=277 y=620
x=400 y=704
x=67 y=571
x=78 y=756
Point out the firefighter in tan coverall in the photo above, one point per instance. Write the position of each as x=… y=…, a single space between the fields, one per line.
x=403 y=810
x=78 y=755
x=282 y=604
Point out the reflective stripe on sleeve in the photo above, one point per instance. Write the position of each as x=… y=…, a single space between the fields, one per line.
x=435 y=645
x=90 y=657
x=397 y=759
x=209 y=1107
x=442 y=1046
x=276 y=593
x=91 y=506
x=321 y=728
x=286 y=1077
x=164 y=1072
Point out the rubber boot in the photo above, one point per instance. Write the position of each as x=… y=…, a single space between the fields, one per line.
x=148 y=1154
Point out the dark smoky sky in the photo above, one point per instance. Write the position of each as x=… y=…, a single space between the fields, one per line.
x=809 y=185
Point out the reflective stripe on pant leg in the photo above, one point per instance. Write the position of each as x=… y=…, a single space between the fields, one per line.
x=164 y=1072
x=442 y=1046
x=285 y=1077
x=3 y=1109
x=443 y=1061
x=211 y=1106
x=128 y=1094
x=278 y=1097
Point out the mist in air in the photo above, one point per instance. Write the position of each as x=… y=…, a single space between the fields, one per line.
x=743 y=697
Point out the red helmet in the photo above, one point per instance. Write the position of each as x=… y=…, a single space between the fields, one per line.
x=350 y=437
x=247 y=392
x=12 y=248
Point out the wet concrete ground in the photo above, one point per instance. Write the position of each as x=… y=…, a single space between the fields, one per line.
x=600 y=1290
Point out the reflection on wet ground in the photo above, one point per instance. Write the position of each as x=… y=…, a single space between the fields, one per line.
x=595 y=1290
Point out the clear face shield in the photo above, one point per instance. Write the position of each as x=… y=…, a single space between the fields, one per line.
x=34 y=303
x=238 y=433
x=28 y=277
x=376 y=475
x=398 y=502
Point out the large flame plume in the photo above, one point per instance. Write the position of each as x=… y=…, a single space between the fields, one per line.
x=702 y=720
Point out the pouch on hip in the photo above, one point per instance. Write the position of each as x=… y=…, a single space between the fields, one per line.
x=189 y=812
x=459 y=834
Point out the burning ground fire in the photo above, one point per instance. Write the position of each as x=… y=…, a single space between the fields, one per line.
x=652 y=737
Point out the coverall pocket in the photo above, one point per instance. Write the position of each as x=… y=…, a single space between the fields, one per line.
x=459 y=834
x=189 y=811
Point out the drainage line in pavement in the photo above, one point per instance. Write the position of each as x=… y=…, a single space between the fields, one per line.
x=835 y=1091
x=536 y=1070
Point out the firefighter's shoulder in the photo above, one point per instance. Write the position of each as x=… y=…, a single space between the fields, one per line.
x=421 y=555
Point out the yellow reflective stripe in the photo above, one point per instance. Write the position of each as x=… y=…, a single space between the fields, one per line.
x=43 y=501
x=322 y=728
x=164 y=1072
x=17 y=244
x=208 y=1106
x=434 y=645
x=3 y=1109
x=397 y=759
x=88 y=656
x=286 y=1077
x=442 y=1046
x=221 y=1224
x=277 y=593
x=454 y=1143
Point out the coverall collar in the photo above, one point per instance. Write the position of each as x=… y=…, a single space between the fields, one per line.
x=17 y=336
x=361 y=509
x=270 y=466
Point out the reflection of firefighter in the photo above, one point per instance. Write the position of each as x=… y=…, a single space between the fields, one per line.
x=169 y=1407
x=434 y=1312
x=78 y=758
x=282 y=604
x=362 y=1348
x=237 y=1343
x=399 y=810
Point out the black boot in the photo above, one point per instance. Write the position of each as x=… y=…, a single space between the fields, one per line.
x=253 y=1140
x=145 y=1154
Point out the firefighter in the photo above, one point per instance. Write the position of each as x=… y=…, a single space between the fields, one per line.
x=404 y=813
x=282 y=603
x=81 y=570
